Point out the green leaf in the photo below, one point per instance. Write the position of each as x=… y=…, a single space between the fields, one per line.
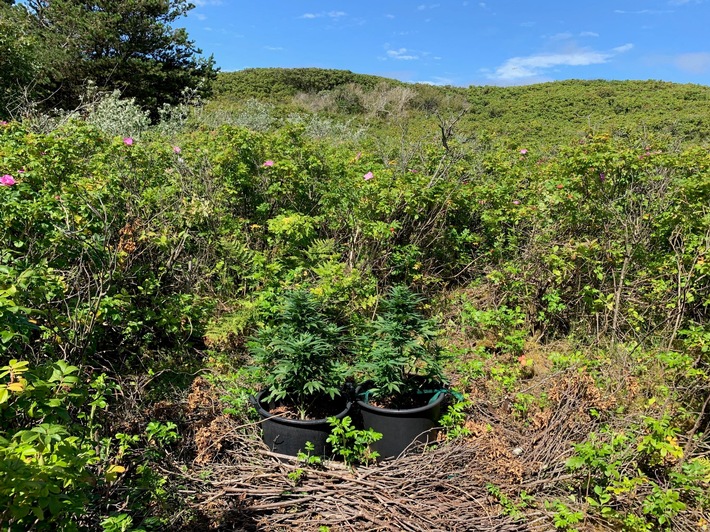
x=38 y=513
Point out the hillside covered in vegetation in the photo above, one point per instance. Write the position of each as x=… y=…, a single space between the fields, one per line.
x=545 y=114
x=558 y=233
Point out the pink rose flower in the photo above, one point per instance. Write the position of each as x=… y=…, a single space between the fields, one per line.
x=523 y=151
x=176 y=149
x=268 y=163
x=128 y=141
x=7 y=180
x=368 y=176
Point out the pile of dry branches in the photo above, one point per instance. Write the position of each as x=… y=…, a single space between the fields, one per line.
x=471 y=483
x=504 y=475
x=441 y=489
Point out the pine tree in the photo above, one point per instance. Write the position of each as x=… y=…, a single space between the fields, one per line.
x=129 y=45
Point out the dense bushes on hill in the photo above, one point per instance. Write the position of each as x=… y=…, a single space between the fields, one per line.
x=545 y=114
x=278 y=83
x=562 y=110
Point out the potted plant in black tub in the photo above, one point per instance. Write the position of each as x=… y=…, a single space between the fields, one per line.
x=403 y=393
x=299 y=357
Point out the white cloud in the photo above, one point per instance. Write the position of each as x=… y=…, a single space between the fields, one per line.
x=329 y=14
x=401 y=54
x=535 y=66
x=200 y=16
x=436 y=80
x=203 y=3
x=274 y=48
x=623 y=48
x=644 y=12
x=568 y=35
x=695 y=63
x=561 y=36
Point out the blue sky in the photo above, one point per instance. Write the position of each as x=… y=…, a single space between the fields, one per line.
x=462 y=42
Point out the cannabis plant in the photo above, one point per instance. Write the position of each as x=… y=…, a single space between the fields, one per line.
x=300 y=354
x=401 y=350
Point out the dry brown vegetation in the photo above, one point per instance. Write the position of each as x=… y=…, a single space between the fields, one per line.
x=498 y=477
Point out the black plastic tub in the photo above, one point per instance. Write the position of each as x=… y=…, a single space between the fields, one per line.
x=289 y=436
x=402 y=428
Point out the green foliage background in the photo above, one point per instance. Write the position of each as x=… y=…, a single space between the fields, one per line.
x=132 y=256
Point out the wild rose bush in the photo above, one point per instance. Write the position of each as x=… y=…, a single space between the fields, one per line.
x=144 y=239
